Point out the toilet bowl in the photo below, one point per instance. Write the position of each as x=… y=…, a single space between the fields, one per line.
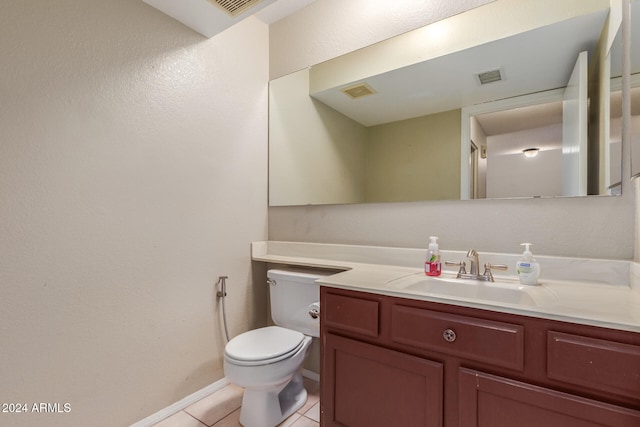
x=267 y=362
x=273 y=386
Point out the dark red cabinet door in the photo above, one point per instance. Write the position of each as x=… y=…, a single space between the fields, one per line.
x=491 y=401
x=369 y=386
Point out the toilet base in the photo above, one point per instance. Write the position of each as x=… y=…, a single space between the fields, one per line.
x=262 y=408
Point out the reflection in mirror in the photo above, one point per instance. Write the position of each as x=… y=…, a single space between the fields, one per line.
x=635 y=87
x=614 y=183
x=327 y=147
x=521 y=139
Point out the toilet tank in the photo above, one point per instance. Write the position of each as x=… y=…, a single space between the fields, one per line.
x=293 y=293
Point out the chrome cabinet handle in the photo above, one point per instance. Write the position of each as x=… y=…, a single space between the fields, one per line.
x=449 y=335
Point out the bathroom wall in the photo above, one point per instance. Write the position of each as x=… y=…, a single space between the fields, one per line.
x=331 y=143
x=511 y=174
x=133 y=173
x=403 y=158
x=601 y=227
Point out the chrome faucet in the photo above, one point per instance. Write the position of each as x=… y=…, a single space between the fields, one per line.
x=472 y=256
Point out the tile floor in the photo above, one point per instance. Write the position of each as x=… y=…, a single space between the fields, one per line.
x=222 y=409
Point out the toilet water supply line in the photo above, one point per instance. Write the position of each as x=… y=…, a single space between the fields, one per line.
x=221 y=294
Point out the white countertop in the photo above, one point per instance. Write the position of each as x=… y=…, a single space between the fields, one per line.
x=586 y=291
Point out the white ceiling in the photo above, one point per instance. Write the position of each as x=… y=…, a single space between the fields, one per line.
x=438 y=85
x=518 y=119
x=280 y=9
x=209 y=20
x=534 y=61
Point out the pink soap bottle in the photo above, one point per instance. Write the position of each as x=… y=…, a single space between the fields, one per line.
x=433 y=267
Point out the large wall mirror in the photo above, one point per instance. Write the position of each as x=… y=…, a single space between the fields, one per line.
x=635 y=87
x=524 y=108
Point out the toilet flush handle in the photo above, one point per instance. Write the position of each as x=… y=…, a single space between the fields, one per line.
x=314 y=310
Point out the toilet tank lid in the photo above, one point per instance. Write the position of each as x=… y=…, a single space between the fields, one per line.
x=264 y=343
x=298 y=273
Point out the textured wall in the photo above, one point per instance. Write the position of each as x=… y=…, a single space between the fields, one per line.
x=133 y=173
x=592 y=227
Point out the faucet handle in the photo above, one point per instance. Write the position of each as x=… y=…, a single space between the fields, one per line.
x=488 y=267
x=461 y=264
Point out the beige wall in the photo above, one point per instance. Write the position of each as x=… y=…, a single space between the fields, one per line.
x=599 y=227
x=337 y=160
x=414 y=159
x=322 y=148
x=133 y=173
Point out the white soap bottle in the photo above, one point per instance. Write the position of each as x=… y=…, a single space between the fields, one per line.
x=432 y=266
x=527 y=268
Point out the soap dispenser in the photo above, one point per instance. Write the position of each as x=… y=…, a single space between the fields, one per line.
x=433 y=266
x=527 y=268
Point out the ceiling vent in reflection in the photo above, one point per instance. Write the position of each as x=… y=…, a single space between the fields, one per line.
x=489 y=76
x=358 y=91
x=235 y=7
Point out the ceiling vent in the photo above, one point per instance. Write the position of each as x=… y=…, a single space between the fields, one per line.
x=489 y=76
x=359 y=90
x=235 y=7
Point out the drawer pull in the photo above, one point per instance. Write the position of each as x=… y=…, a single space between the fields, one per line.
x=449 y=335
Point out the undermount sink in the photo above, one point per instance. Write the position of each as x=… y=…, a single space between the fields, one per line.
x=508 y=292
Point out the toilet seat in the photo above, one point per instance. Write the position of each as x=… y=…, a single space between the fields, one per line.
x=263 y=346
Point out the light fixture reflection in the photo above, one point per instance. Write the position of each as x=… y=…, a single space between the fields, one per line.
x=531 y=152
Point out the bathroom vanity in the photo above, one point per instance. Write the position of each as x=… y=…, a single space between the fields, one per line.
x=397 y=361
x=401 y=349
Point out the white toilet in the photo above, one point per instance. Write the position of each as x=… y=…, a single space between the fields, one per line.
x=267 y=362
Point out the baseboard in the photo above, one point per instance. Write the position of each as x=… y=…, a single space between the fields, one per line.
x=311 y=375
x=181 y=404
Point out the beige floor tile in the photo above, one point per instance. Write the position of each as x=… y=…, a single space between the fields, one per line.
x=180 y=419
x=290 y=421
x=231 y=420
x=314 y=412
x=222 y=409
x=218 y=405
x=305 y=422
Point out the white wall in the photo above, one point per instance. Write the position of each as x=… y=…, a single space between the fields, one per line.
x=594 y=227
x=133 y=173
x=514 y=175
x=511 y=174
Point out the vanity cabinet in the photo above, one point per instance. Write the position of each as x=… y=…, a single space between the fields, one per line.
x=390 y=361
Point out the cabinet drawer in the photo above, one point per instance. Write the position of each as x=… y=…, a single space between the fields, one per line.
x=351 y=314
x=497 y=343
x=594 y=363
